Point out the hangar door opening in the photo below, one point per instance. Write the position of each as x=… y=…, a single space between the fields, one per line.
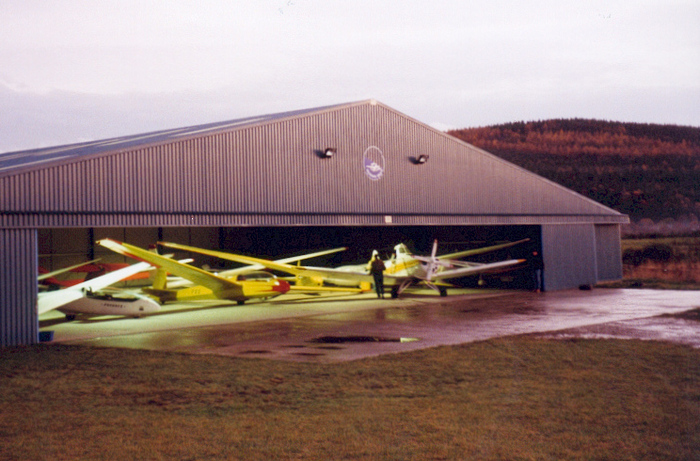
x=65 y=247
x=361 y=241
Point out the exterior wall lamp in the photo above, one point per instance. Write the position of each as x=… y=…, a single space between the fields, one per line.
x=328 y=152
x=422 y=158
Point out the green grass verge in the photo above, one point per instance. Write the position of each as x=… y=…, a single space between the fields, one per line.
x=514 y=398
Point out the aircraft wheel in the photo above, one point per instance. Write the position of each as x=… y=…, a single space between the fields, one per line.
x=394 y=292
x=443 y=291
x=70 y=317
x=240 y=303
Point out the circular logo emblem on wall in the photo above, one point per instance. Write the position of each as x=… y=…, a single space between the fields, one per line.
x=373 y=160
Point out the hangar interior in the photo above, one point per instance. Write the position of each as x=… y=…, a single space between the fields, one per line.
x=60 y=248
x=361 y=175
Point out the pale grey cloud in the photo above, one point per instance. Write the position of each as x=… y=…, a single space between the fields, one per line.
x=105 y=68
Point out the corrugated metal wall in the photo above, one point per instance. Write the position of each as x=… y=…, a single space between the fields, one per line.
x=274 y=170
x=569 y=253
x=576 y=255
x=608 y=252
x=29 y=220
x=18 y=287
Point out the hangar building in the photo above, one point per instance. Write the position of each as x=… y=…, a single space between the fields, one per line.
x=358 y=174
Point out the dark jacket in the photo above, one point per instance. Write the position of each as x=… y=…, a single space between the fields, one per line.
x=377 y=266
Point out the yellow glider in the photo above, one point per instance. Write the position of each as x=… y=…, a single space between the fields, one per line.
x=402 y=271
x=209 y=284
x=315 y=275
x=308 y=280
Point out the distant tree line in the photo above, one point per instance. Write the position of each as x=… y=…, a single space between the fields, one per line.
x=643 y=170
x=656 y=253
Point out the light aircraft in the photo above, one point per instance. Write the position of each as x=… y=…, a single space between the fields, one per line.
x=432 y=270
x=403 y=270
x=86 y=297
x=238 y=286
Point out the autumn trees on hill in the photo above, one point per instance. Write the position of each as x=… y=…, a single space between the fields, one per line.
x=643 y=170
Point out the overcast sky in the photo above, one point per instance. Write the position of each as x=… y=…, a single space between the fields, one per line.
x=81 y=70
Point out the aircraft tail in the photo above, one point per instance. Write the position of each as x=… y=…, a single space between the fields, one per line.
x=375 y=255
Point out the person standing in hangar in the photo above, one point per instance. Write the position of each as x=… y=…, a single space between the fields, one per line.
x=376 y=267
x=537 y=267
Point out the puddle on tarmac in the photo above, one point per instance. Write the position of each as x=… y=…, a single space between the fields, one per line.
x=687 y=315
x=673 y=328
x=359 y=339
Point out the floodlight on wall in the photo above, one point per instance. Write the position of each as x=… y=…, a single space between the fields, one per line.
x=329 y=152
x=422 y=158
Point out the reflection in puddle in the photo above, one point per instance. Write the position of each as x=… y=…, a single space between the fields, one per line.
x=664 y=328
x=359 y=339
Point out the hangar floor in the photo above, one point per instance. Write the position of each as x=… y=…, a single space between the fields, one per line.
x=347 y=327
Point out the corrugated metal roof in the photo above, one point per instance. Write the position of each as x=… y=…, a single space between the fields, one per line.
x=13 y=162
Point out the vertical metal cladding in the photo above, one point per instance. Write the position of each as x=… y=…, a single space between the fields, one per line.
x=18 y=287
x=147 y=219
x=274 y=168
x=608 y=252
x=569 y=253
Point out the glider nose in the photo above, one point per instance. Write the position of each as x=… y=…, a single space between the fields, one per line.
x=281 y=286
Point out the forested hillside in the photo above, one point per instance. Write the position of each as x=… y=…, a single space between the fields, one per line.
x=650 y=172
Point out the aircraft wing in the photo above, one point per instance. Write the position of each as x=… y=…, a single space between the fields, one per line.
x=301 y=271
x=255 y=267
x=318 y=289
x=54 y=299
x=474 y=268
x=194 y=274
x=64 y=270
x=478 y=251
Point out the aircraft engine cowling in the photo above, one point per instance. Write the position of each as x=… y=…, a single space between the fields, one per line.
x=281 y=286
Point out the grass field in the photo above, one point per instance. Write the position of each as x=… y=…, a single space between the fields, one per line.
x=513 y=398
